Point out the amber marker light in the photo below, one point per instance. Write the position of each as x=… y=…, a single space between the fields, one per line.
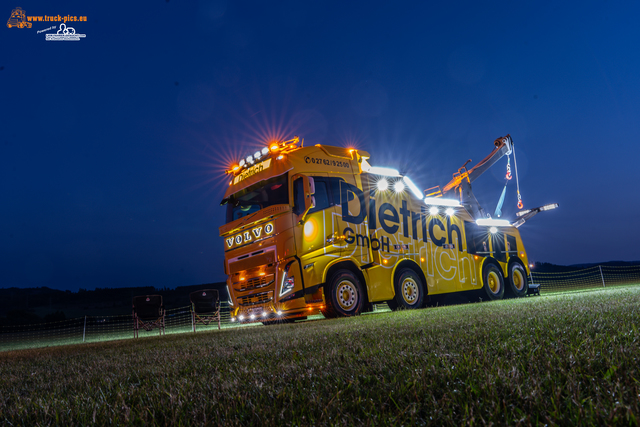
x=274 y=147
x=384 y=261
x=263 y=273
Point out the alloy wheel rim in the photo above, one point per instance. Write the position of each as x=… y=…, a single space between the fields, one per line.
x=347 y=295
x=518 y=280
x=410 y=291
x=494 y=282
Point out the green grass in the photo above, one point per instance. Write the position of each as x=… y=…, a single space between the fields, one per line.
x=565 y=359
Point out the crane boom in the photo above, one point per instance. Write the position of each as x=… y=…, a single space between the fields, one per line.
x=461 y=182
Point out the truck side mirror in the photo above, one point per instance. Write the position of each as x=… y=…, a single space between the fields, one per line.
x=308 y=189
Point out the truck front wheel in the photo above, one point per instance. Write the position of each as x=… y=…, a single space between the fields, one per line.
x=344 y=295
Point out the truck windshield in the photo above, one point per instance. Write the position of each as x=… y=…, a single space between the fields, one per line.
x=267 y=193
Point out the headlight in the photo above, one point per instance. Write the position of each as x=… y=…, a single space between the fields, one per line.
x=287 y=282
x=230 y=299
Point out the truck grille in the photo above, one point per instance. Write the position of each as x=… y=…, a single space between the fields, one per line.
x=255 y=283
x=256 y=299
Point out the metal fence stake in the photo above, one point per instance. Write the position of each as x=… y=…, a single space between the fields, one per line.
x=602 y=276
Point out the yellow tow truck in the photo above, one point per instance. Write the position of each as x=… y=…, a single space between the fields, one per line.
x=318 y=229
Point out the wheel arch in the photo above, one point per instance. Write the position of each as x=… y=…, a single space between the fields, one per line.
x=346 y=265
x=411 y=264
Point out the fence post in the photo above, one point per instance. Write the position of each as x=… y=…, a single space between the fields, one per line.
x=84 y=331
x=602 y=276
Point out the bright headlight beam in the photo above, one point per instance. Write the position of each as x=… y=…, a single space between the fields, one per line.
x=439 y=201
x=433 y=210
x=398 y=187
x=449 y=211
x=493 y=230
x=382 y=184
x=414 y=189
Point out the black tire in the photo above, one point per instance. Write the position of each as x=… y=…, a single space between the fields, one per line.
x=493 y=282
x=409 y=289
x=518 y=284
x=344 y=295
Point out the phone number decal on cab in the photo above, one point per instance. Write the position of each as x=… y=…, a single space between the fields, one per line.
x=327 y=162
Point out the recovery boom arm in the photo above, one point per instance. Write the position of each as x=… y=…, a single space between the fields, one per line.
x=461 y=182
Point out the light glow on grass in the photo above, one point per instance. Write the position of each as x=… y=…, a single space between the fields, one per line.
x=364 y=356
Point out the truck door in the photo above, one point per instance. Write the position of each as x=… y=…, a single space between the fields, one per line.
x=317 y=233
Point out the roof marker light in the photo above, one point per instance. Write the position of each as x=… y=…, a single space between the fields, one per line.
x=274 y=147
x=493 y=222
x=382 y=185
x=257 y=155
x=439 y=201
x=265 y=151
x=250 y=159
x=242 y=163
x=416 y=191
x=398 y=187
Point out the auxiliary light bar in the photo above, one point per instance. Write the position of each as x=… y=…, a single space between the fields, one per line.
x=548 y=207
x=416 y=191
x=273 y=147
x=489 y=222
x=441 y=202
x=378 y=170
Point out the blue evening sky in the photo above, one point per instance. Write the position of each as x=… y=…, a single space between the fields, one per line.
x=112 y=148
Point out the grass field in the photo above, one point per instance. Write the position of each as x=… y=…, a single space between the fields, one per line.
x=565 y=359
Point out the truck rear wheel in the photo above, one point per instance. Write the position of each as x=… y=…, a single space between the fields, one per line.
x=493 y=282
x=518 y=285
x=344 y=295
x=409 y=291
